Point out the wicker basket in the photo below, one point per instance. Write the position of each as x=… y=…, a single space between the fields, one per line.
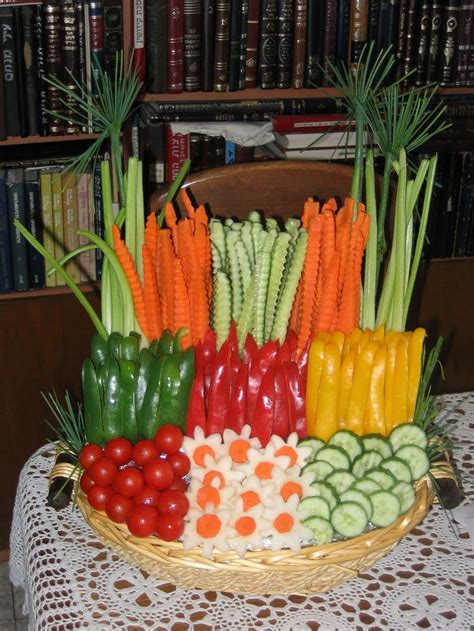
x=315 y=569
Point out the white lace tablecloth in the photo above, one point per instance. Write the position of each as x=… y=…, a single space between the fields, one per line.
x=72 y=582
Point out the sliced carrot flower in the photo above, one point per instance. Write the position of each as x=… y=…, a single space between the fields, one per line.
x=238 y=450
x=250 y=499
x=211 y=476
x=283 y=523
x=289 y=488
x=208 y=495
x=201 y=452
x=264 y=470
x=208 y=526
x=287 y=450
x=245 y=526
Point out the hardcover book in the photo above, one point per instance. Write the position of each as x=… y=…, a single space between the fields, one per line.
x=284 y=43
x=329 y=45
x=86 y=259
x=113 y=33
x=156 y=45
x=244 y=24
x=253 y=31
x=465 y=206
x=18 y=245
x=138 y=21
x=449 y=41
x=465 y=29
x=3 y=122
x=70 y=59
x=314 y=42
x=41 y=67
x=222 y=46
x=70 y=222
x=342 y=32
x=177 y=151
x=299 y=43
x=98 y=217
x=6 y=281
x=208 y=41
x=47 y=219
x=11 y=77
x=58 y=219
x=33 y=224
x=54 y=63
x=358 y=29
x=175 y=46
x=268 y=43
x=423 y=42
x=30 y=70
x=192 y=44
x=410 y=43
x=234 y=50
x=434 y=42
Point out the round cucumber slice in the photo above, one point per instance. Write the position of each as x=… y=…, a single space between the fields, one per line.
x=315 y=443
x=349 y=519
x=386 y=508
x=415 y=458
x=406 y=494
x=365 y=462
x=348 y=441
x=326 y=491
x=384 y=478
x=335 y=456
x=314 y=506
x=352 y=495
x=366 y=485
x=320 y=468
x=340 y=480
x=321 y=529
x=377 y=442
x=398 y=468
x=408 y=434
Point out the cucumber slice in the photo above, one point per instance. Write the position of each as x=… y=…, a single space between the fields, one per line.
x=340 y=480
x=326 y=492
x=377 y=442
x=321 y=529
x=335 y=456
x=321 y=469
x=386 y=507
x=406 y=494
x=415 y=458
x=408 y=434
x=348 y=441
x=384 y=478
x=366 y=485
x=400 y=470
x=352 y=495
x=315 y=443
x=349 y=519
x=314 y=506
x=365 y=462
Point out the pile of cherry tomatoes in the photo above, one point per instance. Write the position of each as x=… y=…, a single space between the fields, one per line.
x=141 y=485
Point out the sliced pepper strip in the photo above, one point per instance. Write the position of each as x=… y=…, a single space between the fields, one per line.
x=281 y=419
x=196 y=414
x=219 y=391
x=375 y=414
x=296 y=399
x=400 y=382
x=415 y=360
x=315 y=367
x=262 y=423
x=360 y=388
x=326 y=414
x=238 y=401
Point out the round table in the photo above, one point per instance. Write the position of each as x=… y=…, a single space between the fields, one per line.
x=72 y=581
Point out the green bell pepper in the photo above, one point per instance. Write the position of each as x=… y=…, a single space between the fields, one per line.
x=92 y=403
x=111 y=417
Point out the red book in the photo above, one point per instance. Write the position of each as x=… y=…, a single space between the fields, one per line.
x=138 y=20
x=175 y=46
x=305 y=123
x=177 y=151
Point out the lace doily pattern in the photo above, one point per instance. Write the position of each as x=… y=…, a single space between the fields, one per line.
x=72 y=582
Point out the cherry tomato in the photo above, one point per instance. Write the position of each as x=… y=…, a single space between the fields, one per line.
x=89 y=454
x=169 y=526
x=142 y=520
x=168 y=439
x=98 y=496
x=147 y=496
x=178 y=485
x=173 y=502
x=145 y=451
x=118 y=508
x=158 y=474
x=103 y=471
x=129 y=481
x=119 y=449
x=86 y=482
x=180 y=463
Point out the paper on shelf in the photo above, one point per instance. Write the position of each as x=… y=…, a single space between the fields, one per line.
x=243 y=133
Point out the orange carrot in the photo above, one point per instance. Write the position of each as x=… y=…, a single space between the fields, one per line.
x=359 y=248
x=131 y=273
x=151 y=229
x=207 y=495
x=165 y=266
x=310 y=210
x=187 y=203
x=295 y=312
x=310 y=279
x=325 y=319
x=208 y=526
x=151 y=295
x=170 y=218
x=182 y=312
x=328 y=242
x=345 y=213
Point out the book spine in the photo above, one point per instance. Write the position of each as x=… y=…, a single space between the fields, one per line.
x=470 y=61
x=358 y=31
x=268 y=44
x=219 y=151
x=155 y=154
x=195 y=152
x=86 y=259
x=234 y=51
x=81 y=44
x=314 y=42
x=458 y=243
x=222 y=45
x=10 y=70
x=96 y=34
x=175 y=46
x=342 y=32
x=31 y=74
x=20 y=65
x=6 y=280
x=470 y=195
x=156 y=45
x=33 y=224
x=138 y=21
x=409 y=49
x=192 y=45
x=53 y=58
x=70 y=222
x=382 y=40
x=401 y=37
x=373 y=20
x=41 y=68
x=113 y=33
x=465 y=28
x=299 y=43
x=70 y=57
x=423 y=43
x=284 y=43
x=208 y=152
x=58 y=220
x=449 y=41
x=253 y=32
x=47 y=220
x=3 y=121
x=393 y=26
x=177 y=151
x=329 y=46
x=229 y=152
x=208 y=40
x=16 y=211
x=98 y=217
x=434 y=46
x=244 y=25
x=305 y=124
x=91 y=215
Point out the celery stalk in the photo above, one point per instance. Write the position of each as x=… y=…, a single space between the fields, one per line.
x=357 y=175
x=399 y=244
x=139 y=222
x=370 y=263
x=386 y=297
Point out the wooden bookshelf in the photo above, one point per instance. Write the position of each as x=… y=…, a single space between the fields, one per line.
x=46 y=292
x=14 y=141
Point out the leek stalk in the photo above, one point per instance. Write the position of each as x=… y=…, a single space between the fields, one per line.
x=399 y=245
x=370 y=265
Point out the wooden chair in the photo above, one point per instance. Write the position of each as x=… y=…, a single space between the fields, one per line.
x=279 y=188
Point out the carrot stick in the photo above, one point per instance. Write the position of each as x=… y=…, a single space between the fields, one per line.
x=295 y=312
x=182 y=312
x=165 y=277
x=325 y=318
x=328 y=243
x=150 y=234
x=187 y=203
x=170 y=218
x=151 y=295
x=310 y=210
x=345 y=213
x=131 y=273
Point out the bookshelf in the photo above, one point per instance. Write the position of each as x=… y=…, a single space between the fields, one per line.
x=16 y=141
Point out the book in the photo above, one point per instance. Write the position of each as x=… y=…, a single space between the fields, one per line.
x=382 y=39
x=434 y=41
x=449 y=40
x=423 y=42
x=465 y=204
x=463 y=44
x=192 y=44
x=175 y=66
x=329 y=40
x=177 y=151
x=30 y=71
x=70 y=222
x=208 y=154
x=358 y=29
x=138 y=22
x=41 y=68
x=244 y=24
x=342 y=32
x=299 y=43
x=11 y=77
x=34 y=224
x=393 y=26
x=53 y=63
x=234 y=49
x=86 y=259
x=219 y=151
x=16 y=211
x=47 y=220
x=96 y=42
x=208 y=41
x=330 y=153
x=195 y=152
x=314 y=42
x=373 y=20
x=92 y=224
x=156 y=45
x=154 y=155
x=409 y=46
x=253 y=32
x=314 y=140
x=284 y=43
x=307 y=123
x=401 y=37
x=70 y=60
x=113 y=33
x=58 y=219
x=222 y=45
x=3 y=122
x=6 y=280
x=268 y=43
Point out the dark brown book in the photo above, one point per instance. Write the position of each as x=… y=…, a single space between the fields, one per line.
x=53 y=59
x=342 y=32
x=208 y=154
x=465 y=29
x=29 y=65
x=234 y=51
x=195 y=152
x=373 y=20
x=219 y=151
x=70 y=58
x=3 y=122
x=244 y=24
x=434 y=42
x=284 y=43
x=41 y=67
x=401 y=36
x=156 y=45
x=329 y=45
x=175 y=46
x=449 y=41
x=113 y=33
x=253 y=31
x=208 y=41
x=82 y=50
x=409 y=46
x=299 y=43
x=96 y=29
x=358 y=29
x=423 y=42
x=314 y=42
x=221 y=48
x=192 y=44
x=268 y=43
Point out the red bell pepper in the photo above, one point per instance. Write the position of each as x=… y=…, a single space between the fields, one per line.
x=284 y=353
x=232 y=337
x=196 y=414
x=209 y=352
x=237 y=416
x=302 y=362
x=296 y=399
x=262 y=360
x=250 y=349
x=281 y=421
x=219 y=392
x=262 y=424
x=292 y=342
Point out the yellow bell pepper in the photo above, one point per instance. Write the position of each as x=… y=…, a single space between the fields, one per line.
x=325 y=336
x=375 y=416
x=415 y=360
x=379 y=334
x=365 y=338
x=315 y=367
x=360 y=388
x=347 y=376
x=338 y=339
x=400 y=383
x=353 y=339
x=326 y=413
x=391 y=340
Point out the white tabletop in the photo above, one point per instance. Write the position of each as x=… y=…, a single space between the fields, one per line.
x=72 y=582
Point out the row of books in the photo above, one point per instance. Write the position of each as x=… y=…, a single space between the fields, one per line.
x=220 y=45
x=53 y=204
x=64 y=39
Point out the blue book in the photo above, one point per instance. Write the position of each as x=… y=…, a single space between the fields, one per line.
x=229 y=152
x=6 y=280
x=35 y=226
x=16 y=210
